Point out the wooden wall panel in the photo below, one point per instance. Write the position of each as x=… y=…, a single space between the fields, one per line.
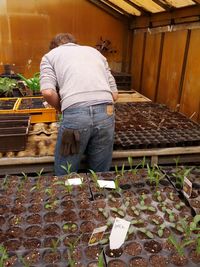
x=171 y=68
x=150 y=68
x=137 y=60
x=190 y=101
x=31 y=26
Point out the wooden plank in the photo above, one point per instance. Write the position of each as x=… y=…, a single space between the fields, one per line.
x=132 y=97
x=191 y=86
x=150 y=69
x=156 y=152
x=139 y=22
x=171 y=68
x=137 y=56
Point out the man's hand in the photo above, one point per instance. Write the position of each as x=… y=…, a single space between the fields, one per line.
x=52 y=98
x=115 y=96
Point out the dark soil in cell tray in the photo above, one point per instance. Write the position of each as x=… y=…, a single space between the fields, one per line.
x=151 y=125
x=32 y=103
x=7 y=104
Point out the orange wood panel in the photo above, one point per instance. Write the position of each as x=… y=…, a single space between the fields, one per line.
x=32 y=24
x=171 y=68
x=190 y=101
x=137 y=55
x=150 y=68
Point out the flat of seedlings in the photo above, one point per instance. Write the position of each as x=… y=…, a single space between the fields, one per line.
x=177 y=174
x=45 y=221
x=152 y=125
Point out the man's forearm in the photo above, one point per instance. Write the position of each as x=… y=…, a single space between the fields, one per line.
x=52 y=98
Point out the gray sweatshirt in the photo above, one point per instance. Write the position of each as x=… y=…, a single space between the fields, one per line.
x=80 y=72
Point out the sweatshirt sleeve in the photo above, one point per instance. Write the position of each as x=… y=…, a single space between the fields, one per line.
x=47 y=75
x=111 y=79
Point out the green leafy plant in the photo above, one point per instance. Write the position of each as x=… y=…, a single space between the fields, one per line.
x=189 y=235
x=3 y=256
x=7 y=85
x=32 y=83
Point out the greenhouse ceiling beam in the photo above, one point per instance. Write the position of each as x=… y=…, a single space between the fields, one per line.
x=161 y=4
x=141 y=9
x=196 y=1
x=107 y=9
x=116 y=7
x=146 y=21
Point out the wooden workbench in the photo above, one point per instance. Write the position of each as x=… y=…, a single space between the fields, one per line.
x=9 y=165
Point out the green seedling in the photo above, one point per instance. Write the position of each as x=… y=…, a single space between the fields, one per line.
x=24 y=261
x=179 y=244
x=147 y=208
x=120 y=173
x=135 y=210
x=22 y=182
x=104 y=212
x=155 y=221
x=180 y=175
x=49 y=191
x=51 y=205
x=136 y=222
x=72 y=246
x=158 y=196
x=161 y=229
x=100 y=259
x=55 y=244
x=118 y=211
x=68 y=187
x=198 y=245
x=111 y=198
x=5 y=182
x=154 y=174
x=146 y=232
x=38 y=185
x=142 y=199
x=67 y=169
x=3 y=256
x=179 y=206
x=69 y=227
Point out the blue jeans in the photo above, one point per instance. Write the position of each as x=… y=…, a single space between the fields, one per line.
x=96 y=128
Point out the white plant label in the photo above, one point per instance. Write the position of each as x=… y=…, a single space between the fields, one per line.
x=106 y=184
x=97 y=235
x=118 y=233
x=73 y=181
x=187 y=187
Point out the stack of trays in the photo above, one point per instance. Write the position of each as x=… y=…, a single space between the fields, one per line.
x=13 y=132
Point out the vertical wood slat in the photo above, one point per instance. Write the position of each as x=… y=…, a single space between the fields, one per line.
x=171 y=68
x=137 y=56
x=190 y=100
x=151 y=63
